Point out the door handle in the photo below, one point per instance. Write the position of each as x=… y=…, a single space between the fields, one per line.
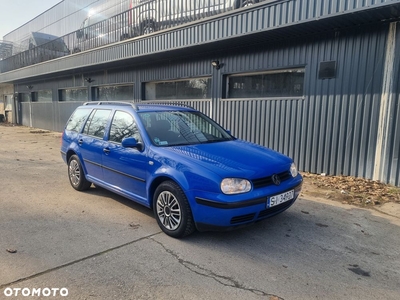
x=106 y=150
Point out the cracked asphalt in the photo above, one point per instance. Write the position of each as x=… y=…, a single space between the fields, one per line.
x=101 y=246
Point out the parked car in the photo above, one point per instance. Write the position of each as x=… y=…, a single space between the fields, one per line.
x=117 y=20
x=177 y=161
x=152 y=15
x=39 y=47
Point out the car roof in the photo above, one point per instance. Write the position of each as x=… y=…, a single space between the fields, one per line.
x=142 y=107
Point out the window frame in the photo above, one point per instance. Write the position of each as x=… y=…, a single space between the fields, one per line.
x=60 y=92
x=294 y=69
x=96 y=91
x=144 y=90
x=35 y=96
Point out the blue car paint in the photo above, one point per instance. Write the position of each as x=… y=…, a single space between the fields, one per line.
x=198 y=169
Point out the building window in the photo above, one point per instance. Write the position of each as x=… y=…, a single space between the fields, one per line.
x=196 y=88
x=34 y=96
x=280 y=83
x=73 y=95
x=113 y=93
x=24 y=97
x=42 y=96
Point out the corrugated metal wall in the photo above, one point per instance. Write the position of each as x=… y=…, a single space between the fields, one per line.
x=68 y=15
x=332 y=130
x=390 y=160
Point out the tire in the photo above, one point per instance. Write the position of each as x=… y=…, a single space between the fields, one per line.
x=172 y=210
x=245 y=3
x=124 y=37
x=76 y=50
x=148 y=27
x=76 y=175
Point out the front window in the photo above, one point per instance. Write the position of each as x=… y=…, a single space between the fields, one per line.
x=174 y=128
x=123 y=126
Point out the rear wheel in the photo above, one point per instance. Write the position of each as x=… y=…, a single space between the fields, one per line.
x=124 y=37
x=76 y=175
x=172 y=210
x=245 y=3
x=148 y=27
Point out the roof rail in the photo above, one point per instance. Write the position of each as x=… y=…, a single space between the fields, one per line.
x=137 y=104
x=112 y=103
x=166 y=103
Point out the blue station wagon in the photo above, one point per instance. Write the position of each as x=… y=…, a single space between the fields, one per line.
x=177 y=161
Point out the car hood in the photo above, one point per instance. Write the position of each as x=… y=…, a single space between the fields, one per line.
x=233 y=158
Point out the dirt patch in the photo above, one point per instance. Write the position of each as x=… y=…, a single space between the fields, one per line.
x=349 y=190
x=39 y=131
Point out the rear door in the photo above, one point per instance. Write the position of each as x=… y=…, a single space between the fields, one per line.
x=91 y=143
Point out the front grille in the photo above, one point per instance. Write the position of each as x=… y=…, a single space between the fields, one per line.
x=271 y=211
x=243 y=218
x=267 y=181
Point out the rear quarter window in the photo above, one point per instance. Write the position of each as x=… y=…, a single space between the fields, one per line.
x=77 y=119
x=97 y=123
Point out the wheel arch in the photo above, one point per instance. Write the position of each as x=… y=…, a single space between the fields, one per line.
x=71 y=152
x=156 y=182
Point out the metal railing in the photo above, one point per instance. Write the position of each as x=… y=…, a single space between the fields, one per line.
x=144 y=17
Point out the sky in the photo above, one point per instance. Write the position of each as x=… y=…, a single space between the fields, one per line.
x=15 y=13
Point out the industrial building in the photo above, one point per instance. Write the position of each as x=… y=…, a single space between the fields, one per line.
x=315 y=80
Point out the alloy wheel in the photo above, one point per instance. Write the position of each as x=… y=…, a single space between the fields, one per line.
x=168 y=210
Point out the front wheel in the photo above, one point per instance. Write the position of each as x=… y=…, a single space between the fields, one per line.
x=76 y=175
x=172 y=210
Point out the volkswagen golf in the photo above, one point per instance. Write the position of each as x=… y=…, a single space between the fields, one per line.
x=178 y=162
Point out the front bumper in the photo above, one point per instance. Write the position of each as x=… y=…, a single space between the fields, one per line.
x=217 y=216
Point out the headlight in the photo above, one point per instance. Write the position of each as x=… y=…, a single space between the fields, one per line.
x=293 y=170
x=235 y=186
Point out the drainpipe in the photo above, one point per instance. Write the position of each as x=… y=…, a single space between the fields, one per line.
x=386 y=102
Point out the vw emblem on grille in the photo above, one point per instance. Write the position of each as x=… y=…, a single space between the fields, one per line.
x=275 y=179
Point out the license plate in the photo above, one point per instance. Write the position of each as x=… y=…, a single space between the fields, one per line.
x=278 y=199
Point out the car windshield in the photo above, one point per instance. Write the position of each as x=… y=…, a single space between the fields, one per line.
x=175 y=128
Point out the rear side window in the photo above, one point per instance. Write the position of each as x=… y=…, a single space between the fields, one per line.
x=77 y=119
x=97 y=123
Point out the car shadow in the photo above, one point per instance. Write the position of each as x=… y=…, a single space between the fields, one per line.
x=104 y=193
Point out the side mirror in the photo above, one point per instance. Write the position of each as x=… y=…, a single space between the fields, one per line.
x=132 y=143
